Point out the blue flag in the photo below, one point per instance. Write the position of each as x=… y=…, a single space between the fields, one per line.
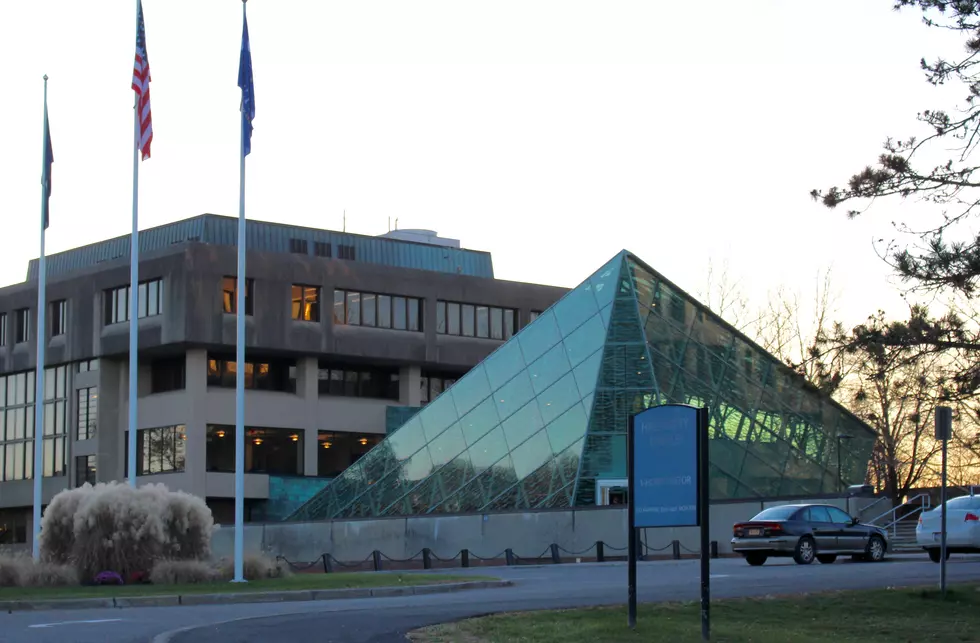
x=48 y=161
x=248 y=90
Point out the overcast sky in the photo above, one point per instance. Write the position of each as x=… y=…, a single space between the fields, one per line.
x=551 y=133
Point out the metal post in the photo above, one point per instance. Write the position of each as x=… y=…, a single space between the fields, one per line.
x=704 y=498
x=134 y=268
x=840 y=480
x=631 y=530
x=944 y=431
x=600 y=552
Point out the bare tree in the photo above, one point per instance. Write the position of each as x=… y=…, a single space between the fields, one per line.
x=725 y=296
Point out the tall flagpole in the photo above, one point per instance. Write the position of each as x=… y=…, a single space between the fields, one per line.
x=41 y=337
x=134 y=272
x=240 y=340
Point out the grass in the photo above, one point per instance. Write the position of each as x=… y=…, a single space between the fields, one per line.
x=297 y=582
x=877 y=616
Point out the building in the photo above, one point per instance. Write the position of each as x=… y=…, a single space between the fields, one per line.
x=346 y=336
x=541 y=423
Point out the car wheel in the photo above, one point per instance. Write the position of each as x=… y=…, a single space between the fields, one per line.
x=935 y=554
x=875 y=552
x=805 y=551
x=756 y=559
x=827 y=559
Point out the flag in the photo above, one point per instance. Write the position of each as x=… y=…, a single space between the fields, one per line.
x=48 y=162
x=248 y=91
x=141 y=85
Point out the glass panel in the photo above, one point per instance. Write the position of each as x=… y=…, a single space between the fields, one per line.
x=546 y=370
x=513 y=395
x=496 y=323
x=471 y=390
x=482 y=321
x=414 y=314
x=510 y=322
x=408 y=439
x=503 y=364
x=369 y=316
x=440 y=317
x=469 y=320
x=485 y=453
x=354 y=308
x=568 y=428
x=339 y=298
x=574 y=308
x=531 y=455
x=603 y=282
x=537 y=338
x=438 y=415
x=399 y=313
x=477 y=422
x=557 y=399
x=447 y=446
x=452 y=319
x=418 y=467
x=522 y=425
x=585 y=340
x=384 y=311
x=587 y=373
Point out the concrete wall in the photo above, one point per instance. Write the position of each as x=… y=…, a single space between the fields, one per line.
x=487 y=535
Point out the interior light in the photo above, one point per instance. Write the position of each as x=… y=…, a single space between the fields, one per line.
x=327 y=445
x=221 y=434
x=257 y=441
x=364 y=441
x=294 y=437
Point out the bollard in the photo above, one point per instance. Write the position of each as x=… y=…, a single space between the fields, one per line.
x=600 y=551
x=676 y=545
x=426 y=558
x=555 y=555
x=509 y=555
x=326 y=563
x=377 y=560
x=714 y=549
x=464 y=557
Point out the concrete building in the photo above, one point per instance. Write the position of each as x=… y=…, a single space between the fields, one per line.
x=346 y=336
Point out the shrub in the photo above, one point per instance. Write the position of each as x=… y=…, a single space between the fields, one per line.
x=116 y=527
x=179 y=572
x=12 y=571
x=256 y=568
x=22 y=571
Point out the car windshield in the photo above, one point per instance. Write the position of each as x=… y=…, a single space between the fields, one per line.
x=777 y=513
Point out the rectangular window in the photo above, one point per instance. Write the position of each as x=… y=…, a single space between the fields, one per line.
x=299 y=246
x=358 y=381
x=321 y=249
x=369 y=309
x=441 y=317
x=88 y=365
x=160 y=450
x=452 y=318
x=229 y=295
x=472 y=320
x=384 y=311
x=338 y=451
x=377 y=310
x=168 y=374
x=482 y=321
x=59 y=315
x=3 y=329
x=306 y=303
x=469 y=320
x=271 y=451
x=84 y=470
x=266 y=375
x=432 y=384
x=115 y=302
x=399 y=313
x=346 y=252
x=17 y=431
x=88 y=410
x=496 y=323
x=23 y=319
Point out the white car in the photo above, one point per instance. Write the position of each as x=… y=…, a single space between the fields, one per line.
x=962 y=528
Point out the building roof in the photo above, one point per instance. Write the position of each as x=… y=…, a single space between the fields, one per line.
x=274 y=237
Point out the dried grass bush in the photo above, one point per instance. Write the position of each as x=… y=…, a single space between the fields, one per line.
x=256 y=568
x=22 y=571
x=117 y=528
x=180 y=572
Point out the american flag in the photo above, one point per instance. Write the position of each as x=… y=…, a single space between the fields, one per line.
x=141 y=85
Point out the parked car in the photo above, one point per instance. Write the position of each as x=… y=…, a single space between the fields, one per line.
x=805 y=532
x=962 y=528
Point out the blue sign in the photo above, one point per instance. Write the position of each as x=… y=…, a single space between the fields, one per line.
x=664 y=484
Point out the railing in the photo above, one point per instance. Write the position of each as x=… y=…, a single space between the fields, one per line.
x=909 y=508
x=864 y=511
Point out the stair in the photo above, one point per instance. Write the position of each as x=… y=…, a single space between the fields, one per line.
x=902 y=539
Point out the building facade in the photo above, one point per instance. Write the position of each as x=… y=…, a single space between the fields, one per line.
x=345 y=336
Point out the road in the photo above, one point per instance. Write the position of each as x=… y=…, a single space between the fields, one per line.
x=385 y=620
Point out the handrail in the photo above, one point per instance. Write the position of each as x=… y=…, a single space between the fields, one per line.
x=924 y=500
x=864 y=510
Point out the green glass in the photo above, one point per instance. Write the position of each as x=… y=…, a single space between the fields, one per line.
x=523 y=424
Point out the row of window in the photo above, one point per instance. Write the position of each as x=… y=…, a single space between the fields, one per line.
x=376 y=310
x=470 y=320
x=322 y=249
x=17 y=427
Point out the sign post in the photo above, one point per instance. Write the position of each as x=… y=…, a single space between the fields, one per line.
x=667 y=465
x=944 y=431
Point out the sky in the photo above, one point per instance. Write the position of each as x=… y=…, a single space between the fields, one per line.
x=553 y=133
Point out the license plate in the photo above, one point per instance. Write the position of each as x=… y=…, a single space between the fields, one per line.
x=755 y=532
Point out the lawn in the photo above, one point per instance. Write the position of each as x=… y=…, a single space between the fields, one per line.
x=885 y=616
x=297 y=582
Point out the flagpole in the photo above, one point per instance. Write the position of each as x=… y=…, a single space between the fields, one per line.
x=134 y=266
x=240 y=363
x=41 y=339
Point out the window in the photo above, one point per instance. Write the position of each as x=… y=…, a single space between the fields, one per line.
x=13 y=526
x=271 y=451
x=59 y=315
x=432 y=384
x=160 y=450
x=55 y=430
x=376 y=310
x=345 y=252
x=339 y=450
x=321 y=249
x=3 y=329
x=17 y=400
x=471 y=320
x=84 y=470
x=88 y=410
x=839 y=516
x=88 y=365
x=306 y=303
x=354 y=381
x=167 y=374
x=229 y=295
x=817 y=514
x=115 y=302
x=299 y=246
x=269 y=375
x=23 y=318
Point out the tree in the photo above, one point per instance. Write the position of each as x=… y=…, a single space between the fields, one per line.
x=944 y=256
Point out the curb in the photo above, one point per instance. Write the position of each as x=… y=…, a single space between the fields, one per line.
x=244 y=597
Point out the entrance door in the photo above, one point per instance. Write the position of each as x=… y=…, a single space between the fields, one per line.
x=611 y=492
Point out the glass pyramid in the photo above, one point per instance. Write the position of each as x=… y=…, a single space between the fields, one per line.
x=543 y=418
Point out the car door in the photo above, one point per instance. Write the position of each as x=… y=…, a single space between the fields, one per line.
x=850 y=537
x=823 y=529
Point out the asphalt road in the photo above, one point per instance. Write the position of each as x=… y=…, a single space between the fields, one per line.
x=385 y=620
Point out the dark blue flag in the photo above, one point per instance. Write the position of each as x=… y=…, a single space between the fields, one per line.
x=48 y=161
x=248 y=90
